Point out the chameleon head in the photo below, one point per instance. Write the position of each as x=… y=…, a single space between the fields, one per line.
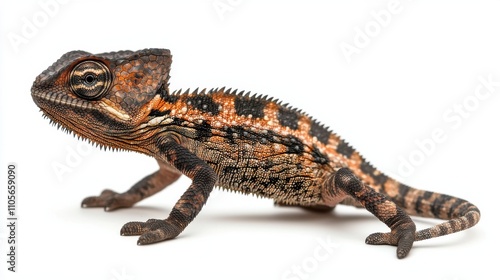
x=102 y=96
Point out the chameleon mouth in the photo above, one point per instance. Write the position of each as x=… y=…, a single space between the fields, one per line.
x=52 y=99
x=75 y=116
x=41 y=99
x=54 y=107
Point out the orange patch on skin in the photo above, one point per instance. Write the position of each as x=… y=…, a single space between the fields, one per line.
x=387 y=209
x=392 y=187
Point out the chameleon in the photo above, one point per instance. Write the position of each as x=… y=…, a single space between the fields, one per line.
x=230 y=139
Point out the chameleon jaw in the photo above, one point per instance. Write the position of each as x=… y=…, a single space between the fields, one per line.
x=59 y=99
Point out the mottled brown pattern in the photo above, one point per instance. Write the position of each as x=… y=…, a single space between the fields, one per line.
x=236 y=140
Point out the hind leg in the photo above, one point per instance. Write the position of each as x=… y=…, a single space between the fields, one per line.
x=402 y=227
x=146 y=187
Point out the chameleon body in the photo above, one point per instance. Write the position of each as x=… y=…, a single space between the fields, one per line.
x=234 y=140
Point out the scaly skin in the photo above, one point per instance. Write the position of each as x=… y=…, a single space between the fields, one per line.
x=250 y=144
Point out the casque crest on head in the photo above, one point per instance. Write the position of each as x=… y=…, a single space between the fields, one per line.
x=122 y=80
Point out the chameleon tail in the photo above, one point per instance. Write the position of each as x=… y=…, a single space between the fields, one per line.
x=459 y=213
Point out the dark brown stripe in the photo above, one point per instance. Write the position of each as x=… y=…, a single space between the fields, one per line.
x=204 y=103
x=320 y=132
x=245 y=106
x=288 y=118
x=344 y=149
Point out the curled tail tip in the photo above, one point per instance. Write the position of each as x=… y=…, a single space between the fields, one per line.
x=459 y=214
x=466 y=217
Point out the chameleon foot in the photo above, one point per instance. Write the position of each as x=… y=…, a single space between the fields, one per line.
x=403 y=237
x=146 y=187
x=152 y=231
x=110 y=200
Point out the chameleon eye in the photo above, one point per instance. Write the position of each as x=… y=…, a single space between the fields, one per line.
x=90 y=79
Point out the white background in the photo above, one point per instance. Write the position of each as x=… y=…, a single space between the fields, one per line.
x=413 y=67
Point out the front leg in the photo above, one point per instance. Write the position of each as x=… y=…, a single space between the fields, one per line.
x=146 y=187
x=189 y=205
x=402 y=227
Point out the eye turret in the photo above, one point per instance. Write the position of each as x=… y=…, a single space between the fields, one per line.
x=90 y=79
